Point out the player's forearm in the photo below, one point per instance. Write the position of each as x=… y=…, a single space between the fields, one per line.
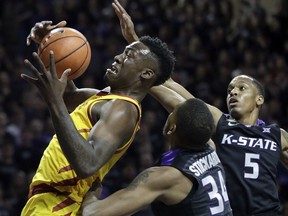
x=168 y=98
x=76 y=149
x=114 y=205
x=171 y=84
x=132 y=38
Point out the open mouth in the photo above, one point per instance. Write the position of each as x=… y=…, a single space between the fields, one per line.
x=232 y=101
x=113 y=69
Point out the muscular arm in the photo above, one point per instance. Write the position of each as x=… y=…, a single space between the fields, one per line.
x=157 y=183
x=172 y=93
x=108 y=134
x=284 y=145
x=168 y=98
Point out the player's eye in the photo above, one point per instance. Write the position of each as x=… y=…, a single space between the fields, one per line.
x=128 y=53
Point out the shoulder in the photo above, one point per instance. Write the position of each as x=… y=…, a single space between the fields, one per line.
x=118 y=111
x=120 y=104
x=109 y=103
x=226 y=119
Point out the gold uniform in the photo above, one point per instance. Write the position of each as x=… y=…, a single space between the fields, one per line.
x=55 y=188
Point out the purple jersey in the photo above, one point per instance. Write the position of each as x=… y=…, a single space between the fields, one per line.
x=208 y=195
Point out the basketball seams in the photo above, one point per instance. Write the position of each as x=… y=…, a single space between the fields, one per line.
x=86 y=56
x=87 y=50
x=71 y=50
x=75 y=50
x=60 y=38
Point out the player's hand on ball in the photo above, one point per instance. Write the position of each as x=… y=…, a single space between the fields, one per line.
x=40 y=29
x=46 y=80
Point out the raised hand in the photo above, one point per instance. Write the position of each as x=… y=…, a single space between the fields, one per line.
x=47 y=82
x=126 y=24
x=40 y=29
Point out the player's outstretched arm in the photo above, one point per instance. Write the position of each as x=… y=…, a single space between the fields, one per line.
x=156 y=183
x=167 y=97
x=171 y=93
x=284 y=145
x=171 y=84
x=126 y=24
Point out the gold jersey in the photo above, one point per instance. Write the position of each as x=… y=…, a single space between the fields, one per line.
x=55 y=188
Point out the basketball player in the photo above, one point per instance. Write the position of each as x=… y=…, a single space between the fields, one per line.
x=185 y=178
x=90 y=140
x=249 y=149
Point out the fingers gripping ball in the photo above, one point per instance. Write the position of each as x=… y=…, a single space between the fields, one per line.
x=71 y=50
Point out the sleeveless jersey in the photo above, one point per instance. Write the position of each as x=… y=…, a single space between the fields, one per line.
x=208 y=195
x=55 y=177
x=250 y=155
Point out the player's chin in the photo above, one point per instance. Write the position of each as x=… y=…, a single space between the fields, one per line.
x=234 y=113
x=108 y=78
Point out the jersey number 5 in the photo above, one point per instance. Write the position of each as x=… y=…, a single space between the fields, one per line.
x=250 y=162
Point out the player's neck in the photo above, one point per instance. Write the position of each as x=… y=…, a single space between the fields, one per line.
x=135 y=94
x=250 y=119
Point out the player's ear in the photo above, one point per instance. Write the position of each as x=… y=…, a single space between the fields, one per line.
x=171 y=129
x=260 y=100
x=147 y=73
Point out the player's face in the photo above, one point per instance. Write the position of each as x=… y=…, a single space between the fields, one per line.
x=242 y=96
x=128 y=66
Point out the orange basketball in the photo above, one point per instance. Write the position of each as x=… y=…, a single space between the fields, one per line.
x=71 y=50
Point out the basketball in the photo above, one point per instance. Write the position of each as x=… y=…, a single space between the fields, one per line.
x=71 y=50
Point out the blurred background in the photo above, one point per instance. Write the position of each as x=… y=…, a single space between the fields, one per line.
x=213 y=41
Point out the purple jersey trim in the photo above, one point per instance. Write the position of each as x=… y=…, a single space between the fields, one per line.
x=167 y=158
x=259 y=121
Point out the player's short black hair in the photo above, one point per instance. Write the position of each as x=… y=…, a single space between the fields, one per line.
x=163 y=55
x=194 y=123
x=259 y=86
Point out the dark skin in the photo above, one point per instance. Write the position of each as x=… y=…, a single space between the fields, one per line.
x=164 y=183
x=74 y=96
x=243 y=100
x=105 y=114
x=129 y=75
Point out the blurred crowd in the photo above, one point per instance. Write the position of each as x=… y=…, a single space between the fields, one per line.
x=213 y=40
